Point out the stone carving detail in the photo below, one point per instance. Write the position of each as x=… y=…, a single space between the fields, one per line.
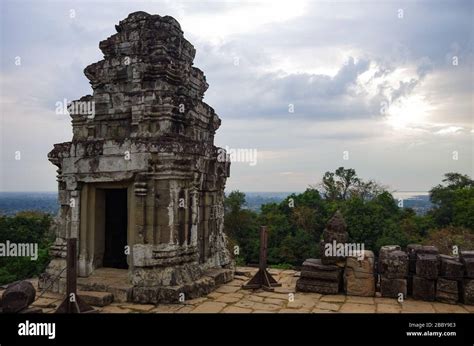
x=145 y=129
x=325 y=275
x=335 y=232
x=359 y=278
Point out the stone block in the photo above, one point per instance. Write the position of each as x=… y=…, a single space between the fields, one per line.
x=467 y=259
x=427 y=266
x=469 y=267
x=338 y=237
x=359 y=277
x=393 y=287
x=447 y=291
x=317 y=286
x=394 y=264
x=337 y=223
x=96 y=298
x=327 y=260
x=467 y=291
x=414 y=249
x=220 y=275
x=424 y=289
x=314 y=269
x=466 y=254
x=450 y=267
x=358 y=283
x=121 y=293
x=384 y=250
x=364 y=265
x=335 y=233
x=428 y=249
x=145 y=295
x=389 y=248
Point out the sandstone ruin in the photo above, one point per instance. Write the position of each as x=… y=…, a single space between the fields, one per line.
x=140 y=184
x=420 y=271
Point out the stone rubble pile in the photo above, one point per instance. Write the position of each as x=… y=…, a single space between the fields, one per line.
x=425 y=274
x=420 y=271
x=325 y=275
x=431 y=276
x=334 y=233
x=334 y=272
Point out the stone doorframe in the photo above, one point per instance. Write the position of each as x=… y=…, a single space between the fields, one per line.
x=92 y=224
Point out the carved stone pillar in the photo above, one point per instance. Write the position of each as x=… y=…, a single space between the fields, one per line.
x=140 y=210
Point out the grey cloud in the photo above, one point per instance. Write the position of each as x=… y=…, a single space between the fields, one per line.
x=55 y=51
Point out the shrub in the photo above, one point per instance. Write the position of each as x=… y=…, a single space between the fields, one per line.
x=446 y=238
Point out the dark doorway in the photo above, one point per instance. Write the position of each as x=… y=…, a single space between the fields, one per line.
x=115 y=228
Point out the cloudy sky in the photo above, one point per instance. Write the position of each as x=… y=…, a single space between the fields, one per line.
x=384 y=87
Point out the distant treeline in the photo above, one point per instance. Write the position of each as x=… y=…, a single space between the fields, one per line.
x=372 y=214
x=12 y=203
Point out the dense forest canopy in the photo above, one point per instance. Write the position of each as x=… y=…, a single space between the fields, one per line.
x=372 y=214
x=25 y=227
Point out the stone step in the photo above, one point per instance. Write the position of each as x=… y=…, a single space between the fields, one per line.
x=96 y=298
x=122 y=292
x=220 y=275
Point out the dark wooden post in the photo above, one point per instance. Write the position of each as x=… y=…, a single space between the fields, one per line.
x=263 y=248
x=73 y=303
x=263 y=279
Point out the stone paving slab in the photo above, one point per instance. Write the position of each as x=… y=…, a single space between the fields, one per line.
x=209 y=307
x=388 y=308
x=328 y=306
x=231 y=298
x=357 y=308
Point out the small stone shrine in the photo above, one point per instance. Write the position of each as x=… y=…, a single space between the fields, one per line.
x=141 y=184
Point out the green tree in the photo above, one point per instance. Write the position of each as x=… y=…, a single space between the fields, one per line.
x=453 y=201
x=338 y=184
x=344 y=183
x=372 y=215
x=242 y=228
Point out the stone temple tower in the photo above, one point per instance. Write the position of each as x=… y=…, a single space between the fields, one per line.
x=141 y=185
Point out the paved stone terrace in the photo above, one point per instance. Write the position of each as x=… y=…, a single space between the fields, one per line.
x=231 y=298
